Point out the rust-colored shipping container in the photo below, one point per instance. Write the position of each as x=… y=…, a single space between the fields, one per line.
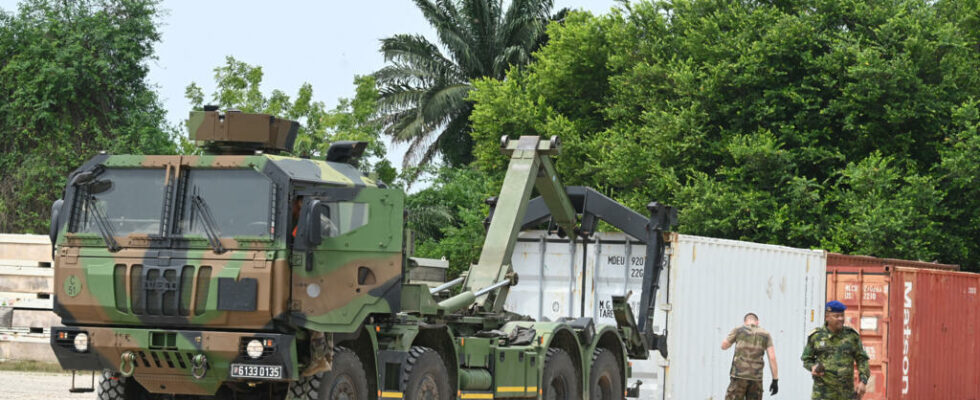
x=919 y=325
x=846 y=260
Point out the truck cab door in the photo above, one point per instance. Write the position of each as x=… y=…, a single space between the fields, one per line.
x=347 y=258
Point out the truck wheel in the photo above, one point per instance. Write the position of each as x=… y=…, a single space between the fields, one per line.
x=425 y=376
x=560 y=381
x=119 y=388
x=346 y=380
x=605 y=382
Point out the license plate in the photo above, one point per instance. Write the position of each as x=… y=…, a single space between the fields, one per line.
x=256 y=371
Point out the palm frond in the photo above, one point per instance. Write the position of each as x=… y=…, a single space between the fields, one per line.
x=441 y=102
x=423 y=89
x=452 y=30
x=418 y=149
x=418 y=52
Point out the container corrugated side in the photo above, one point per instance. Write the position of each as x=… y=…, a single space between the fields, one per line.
x=707 y=288
x=550 y=277
x=713 y=283
x=933 y=345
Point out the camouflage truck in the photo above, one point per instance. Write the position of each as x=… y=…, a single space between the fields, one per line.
x=244 y=273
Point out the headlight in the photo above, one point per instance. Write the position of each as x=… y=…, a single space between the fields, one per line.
x=254 y=348
x=81 y=342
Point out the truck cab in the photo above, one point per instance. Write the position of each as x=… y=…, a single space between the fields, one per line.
x=169 y=266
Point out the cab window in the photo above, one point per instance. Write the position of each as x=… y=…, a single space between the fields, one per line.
x=343 y=217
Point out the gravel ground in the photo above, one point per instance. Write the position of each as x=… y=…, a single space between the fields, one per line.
x=42 y=386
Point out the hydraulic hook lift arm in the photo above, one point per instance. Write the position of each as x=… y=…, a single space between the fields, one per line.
x=594 y=206
x=488 y=281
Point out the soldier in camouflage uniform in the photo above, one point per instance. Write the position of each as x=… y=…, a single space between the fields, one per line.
x=830 y=354
x=751 y=342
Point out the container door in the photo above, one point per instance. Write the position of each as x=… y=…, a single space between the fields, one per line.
x=713 y=284
x=933 y=343
x=864 y=290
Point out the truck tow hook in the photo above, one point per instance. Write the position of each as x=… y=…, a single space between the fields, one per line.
x=199 y=366
x=128 y=359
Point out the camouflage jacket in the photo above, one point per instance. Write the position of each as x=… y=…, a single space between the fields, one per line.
x=751 y=343
x=838 y=353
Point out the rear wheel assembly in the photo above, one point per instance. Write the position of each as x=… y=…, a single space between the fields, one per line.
x=560 y=382
x=605 y=381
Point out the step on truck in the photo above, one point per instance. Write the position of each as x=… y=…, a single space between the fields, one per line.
x=244 y=273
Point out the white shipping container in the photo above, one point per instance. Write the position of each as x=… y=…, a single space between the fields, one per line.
x=551 y=277
x=708 y=286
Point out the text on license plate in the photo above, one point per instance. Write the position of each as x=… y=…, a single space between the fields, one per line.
x=256 y=371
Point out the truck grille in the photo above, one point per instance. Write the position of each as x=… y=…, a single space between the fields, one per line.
x=164 y=359
x=164 y=291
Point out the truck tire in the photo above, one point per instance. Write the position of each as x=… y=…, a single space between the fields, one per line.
x=346 y=380
x=560 y=382
x=605 y=381
x=424 y=375
x=119 y=388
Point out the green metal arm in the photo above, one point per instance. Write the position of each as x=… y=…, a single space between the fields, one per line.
x=530 y=167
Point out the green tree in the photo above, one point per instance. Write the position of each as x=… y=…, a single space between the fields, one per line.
x=72 y=83
x=238 y=86
x=423 y=91
x=841 y=124
x=447 y=217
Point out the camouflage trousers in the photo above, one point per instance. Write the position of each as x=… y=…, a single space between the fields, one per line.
x=830 y=391
x=746 y=389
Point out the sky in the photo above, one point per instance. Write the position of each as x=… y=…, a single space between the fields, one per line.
x=325 y=43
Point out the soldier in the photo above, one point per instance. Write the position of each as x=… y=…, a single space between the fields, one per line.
x=830 y=354
x=751 y=342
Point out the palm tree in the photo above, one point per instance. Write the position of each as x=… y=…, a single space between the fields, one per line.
x=423 y=92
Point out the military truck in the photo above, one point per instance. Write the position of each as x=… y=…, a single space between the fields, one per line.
x=246 y=273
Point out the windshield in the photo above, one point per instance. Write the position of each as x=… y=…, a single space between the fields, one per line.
x=130 y=199
x=225 y=202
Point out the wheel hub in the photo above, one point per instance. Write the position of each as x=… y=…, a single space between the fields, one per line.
x=343 y=389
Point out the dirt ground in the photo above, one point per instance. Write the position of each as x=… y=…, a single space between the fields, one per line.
x=42 y=386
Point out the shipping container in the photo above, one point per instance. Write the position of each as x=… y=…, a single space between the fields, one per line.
x=708 y=286
x=919 y=326
x=837 y=259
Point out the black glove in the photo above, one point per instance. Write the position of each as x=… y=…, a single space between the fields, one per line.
x=774 y=387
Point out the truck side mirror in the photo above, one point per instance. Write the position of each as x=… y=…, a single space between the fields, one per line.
x=55 y=221
x=310 y=231
x=313 y=223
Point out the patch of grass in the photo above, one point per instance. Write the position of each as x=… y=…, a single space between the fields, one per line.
x=29 y=366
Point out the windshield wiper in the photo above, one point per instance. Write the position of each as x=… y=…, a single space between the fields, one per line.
x=102 y=222
x=210 y=226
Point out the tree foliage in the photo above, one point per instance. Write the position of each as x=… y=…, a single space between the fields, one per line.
x=447 y=217
x=841 y=124
x=72 y=83
x=423 y=91
x=238 y=86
